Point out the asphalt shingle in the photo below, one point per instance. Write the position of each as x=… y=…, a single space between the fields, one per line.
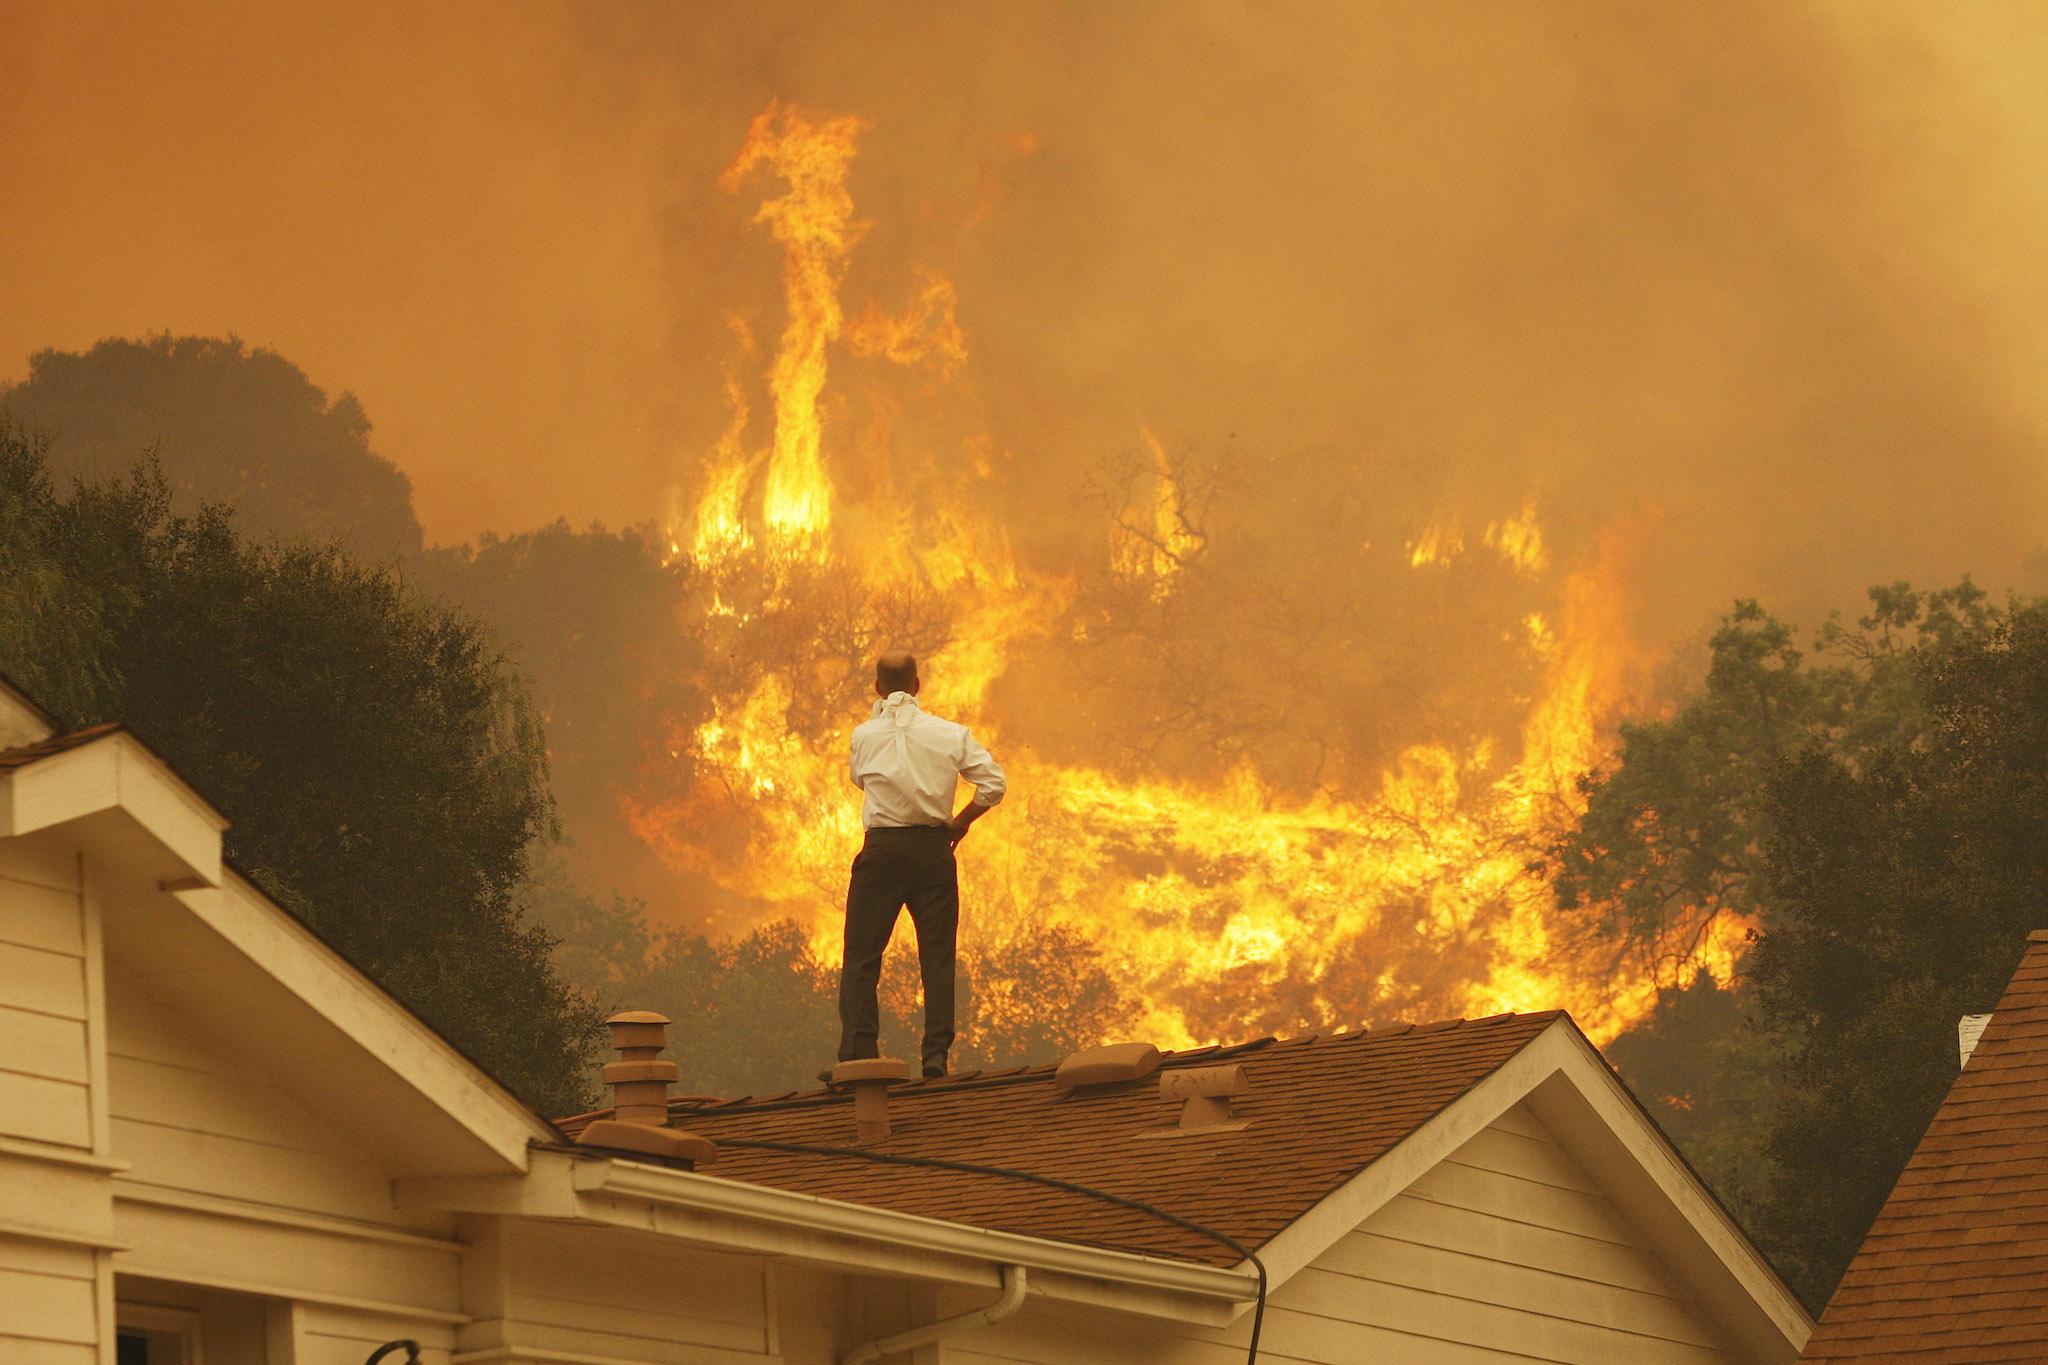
x=1956 y=1265
x=1319 y=1110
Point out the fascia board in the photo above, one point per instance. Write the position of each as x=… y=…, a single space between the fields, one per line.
x=116 y=772
x=1604 y=1127
x=1341 y=1211
x=117 y=777
x=398 y=1041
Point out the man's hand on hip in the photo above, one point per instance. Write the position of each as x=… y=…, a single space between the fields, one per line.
x=956 y=828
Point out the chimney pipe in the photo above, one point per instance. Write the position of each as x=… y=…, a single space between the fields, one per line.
x=870 y=1079
x=1206 y=1092
x=639 y=1082
x=639 y=1079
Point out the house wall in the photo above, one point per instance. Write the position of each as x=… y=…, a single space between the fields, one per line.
x=233 y=1185
x=55 y=1278
x=543 y=1290
x=135 y=1152
x=45 y=1061
x=1504 y=1251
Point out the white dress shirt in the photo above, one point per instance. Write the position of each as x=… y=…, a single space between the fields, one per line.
x=909 y=762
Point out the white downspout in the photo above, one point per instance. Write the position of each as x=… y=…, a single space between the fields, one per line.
x=1010 y=1302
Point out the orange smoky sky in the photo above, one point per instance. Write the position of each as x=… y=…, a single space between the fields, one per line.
x=1769 y=273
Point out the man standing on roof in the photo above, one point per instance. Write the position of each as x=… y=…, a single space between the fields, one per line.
x=908 y=762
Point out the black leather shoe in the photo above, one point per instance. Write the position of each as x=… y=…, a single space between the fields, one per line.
x=933 y=1073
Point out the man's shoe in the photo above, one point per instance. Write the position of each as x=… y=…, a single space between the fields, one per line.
x=825 y=1076
x=934 y=1073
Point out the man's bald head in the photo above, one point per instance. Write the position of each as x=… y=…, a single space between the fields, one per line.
x=895 y=671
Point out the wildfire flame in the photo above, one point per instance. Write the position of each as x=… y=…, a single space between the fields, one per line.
x=1223 y=907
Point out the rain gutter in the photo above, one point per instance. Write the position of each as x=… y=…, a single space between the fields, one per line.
x=1227 y=1289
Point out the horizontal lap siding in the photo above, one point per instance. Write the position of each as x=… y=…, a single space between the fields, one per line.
x=187 y=1118
x=1060 y=1335
x=232 y=1183
x=48 y=1309
x=44 y=1062
x=338 y=1336
x=810 y=1314
x=595 y=1291
x=1509 y=1246
x=1506 y=1251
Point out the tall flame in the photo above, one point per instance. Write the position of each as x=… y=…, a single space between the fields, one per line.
x=817 y=229
x=1223 y=907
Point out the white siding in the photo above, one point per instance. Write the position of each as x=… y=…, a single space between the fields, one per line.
x=44 y=1007
x=234 y=1185
x=1504 y=1251
x=49 y=1304
x=618 y=1295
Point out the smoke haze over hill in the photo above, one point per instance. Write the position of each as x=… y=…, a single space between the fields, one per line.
x=1748 y=265
x=1715 y=300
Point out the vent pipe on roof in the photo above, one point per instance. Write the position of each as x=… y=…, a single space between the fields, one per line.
x=870 y=1079
x=639 y=1082
x=1205 y=1092
x=639 y=1079
x=1107 y=1065
x=1968 y=1030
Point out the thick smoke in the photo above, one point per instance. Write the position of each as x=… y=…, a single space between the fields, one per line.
x=1722 y=259
x=1733 y=288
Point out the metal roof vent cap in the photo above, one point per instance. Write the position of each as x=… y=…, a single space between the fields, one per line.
x=870 y=1079
x=1107 y=1065
x=1205 y=1093
x=639 y=1082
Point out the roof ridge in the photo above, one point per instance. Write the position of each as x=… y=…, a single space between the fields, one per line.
x=1031 y=1072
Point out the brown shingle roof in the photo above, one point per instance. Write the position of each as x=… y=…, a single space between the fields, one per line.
x=1956 y=1265
x=1320 y=1110
x=23 y=755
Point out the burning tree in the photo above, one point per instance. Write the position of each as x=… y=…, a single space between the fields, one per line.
x=1223 y=779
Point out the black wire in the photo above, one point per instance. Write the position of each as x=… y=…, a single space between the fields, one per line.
x=1050 y=1182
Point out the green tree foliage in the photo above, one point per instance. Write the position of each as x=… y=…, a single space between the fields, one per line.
x=229 y=425
x=1681 y=829
x=52 y=641
x=1673 y=831
x=383 y=772
x=1903 y=885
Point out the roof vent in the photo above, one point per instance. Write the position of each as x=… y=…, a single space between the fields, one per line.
x=870 y=1079
x=1205 y=1092
x=1968 y=1030
x=639 y=1079
x=1108 y=1064
x=639 y=1082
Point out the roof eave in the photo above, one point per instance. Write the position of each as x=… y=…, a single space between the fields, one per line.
x=150 y=841
x=737 y=1216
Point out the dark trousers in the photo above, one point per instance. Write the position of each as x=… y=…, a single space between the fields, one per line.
x=912 y=866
